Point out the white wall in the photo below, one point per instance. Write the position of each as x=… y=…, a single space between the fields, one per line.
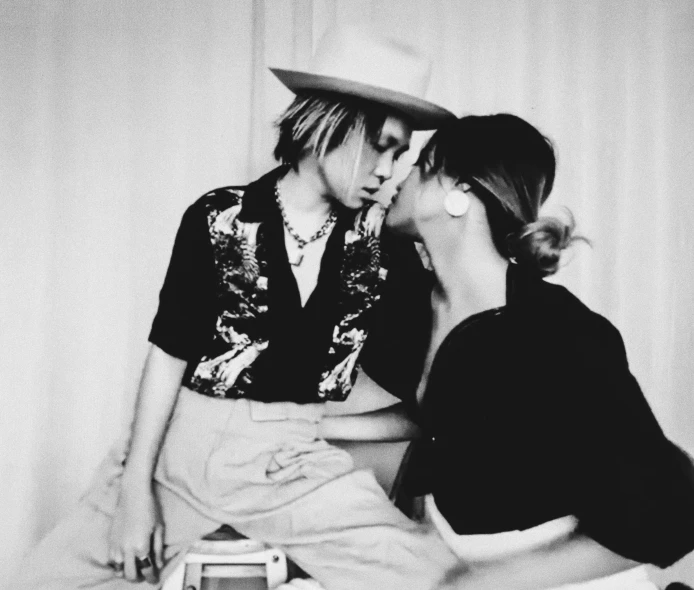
x=116 y=114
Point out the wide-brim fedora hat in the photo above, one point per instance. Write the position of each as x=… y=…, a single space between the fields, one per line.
x=354 y=62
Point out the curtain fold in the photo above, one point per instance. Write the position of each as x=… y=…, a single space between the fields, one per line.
x=115 y=116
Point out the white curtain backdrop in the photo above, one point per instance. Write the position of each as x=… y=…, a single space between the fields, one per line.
x=117 y=114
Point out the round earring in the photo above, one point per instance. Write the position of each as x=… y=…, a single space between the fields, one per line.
x=456 y=203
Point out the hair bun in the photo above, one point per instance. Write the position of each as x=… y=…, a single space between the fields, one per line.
x=539 y=245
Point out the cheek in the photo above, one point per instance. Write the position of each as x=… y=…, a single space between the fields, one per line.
x=410 y=193
x=426 y=205
x=367 y=164
x=422 y=207
x=335 y=170
x=351 y=175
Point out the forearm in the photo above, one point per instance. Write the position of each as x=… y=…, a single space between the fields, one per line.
x=366 y=396
x=569 y=561
x=387 y=424
x=157 y=394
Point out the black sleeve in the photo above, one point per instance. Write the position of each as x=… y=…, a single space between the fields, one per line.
x=635 y=488
x=186 y=314
x=393 y=354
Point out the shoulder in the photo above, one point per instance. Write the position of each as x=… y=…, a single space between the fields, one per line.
x=556 y=304
x=202 y=212
x=218 y=199
x=539 y=295
x=565 y=328
x=589 y=327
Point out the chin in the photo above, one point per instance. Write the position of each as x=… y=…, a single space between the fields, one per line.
x=396 y=225
x=402 y=225
x=355 y=203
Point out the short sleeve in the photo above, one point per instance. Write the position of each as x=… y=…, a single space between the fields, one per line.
x=185 y=318
x=393 y=355
x=634 y=488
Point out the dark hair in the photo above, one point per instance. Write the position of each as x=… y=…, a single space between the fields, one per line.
x=319 y=122
x=510 y=167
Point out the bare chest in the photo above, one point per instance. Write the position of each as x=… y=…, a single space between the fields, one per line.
x=305 y=263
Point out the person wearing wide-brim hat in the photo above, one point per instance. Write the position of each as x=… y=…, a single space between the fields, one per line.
x=267 y=302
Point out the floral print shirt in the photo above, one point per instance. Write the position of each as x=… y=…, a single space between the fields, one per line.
x=230 y=305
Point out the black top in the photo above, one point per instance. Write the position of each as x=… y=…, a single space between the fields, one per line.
x=531 y=414
x=289 y=367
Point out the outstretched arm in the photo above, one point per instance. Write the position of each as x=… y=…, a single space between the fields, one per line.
x=387 y=424
x=370 y=413
x=137 y=528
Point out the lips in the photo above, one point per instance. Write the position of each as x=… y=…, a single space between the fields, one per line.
x=371 y=191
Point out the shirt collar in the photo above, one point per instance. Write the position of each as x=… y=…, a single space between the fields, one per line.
x=259 y=202
x=523 y=286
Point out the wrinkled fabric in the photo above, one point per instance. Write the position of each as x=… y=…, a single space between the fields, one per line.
x=268 y=477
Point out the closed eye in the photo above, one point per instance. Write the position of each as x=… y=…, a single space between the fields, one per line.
x=404 y=149
x=391 y=143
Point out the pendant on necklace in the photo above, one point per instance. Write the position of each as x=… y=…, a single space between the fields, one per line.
x=296 y=259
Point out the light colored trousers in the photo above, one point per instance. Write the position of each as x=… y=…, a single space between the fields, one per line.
x=262 y=469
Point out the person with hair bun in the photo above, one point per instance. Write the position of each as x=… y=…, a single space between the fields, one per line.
x=541 y=463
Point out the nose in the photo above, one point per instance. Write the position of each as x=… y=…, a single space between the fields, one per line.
x=384 y=169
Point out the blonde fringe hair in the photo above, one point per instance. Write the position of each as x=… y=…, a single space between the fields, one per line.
x=317 y=124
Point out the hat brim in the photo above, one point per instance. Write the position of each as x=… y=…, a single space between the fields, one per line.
x=421 y=113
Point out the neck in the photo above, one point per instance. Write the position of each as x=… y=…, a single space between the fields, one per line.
x=303 y=192
x=470 y=273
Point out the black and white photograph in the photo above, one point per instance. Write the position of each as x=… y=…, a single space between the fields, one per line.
x=347 y=294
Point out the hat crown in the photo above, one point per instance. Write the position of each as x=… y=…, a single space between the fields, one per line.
x=351 y=62
x=351 y=54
